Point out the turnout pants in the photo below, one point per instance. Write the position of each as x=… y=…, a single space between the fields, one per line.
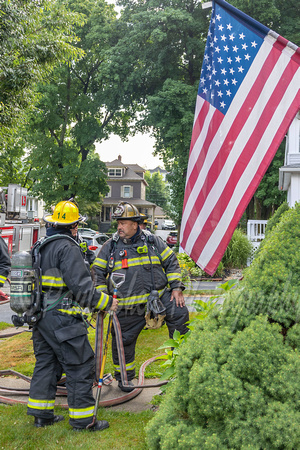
x=61 y=346
x=132 y=322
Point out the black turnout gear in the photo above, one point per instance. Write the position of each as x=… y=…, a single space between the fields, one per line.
x=132 y=257
x=60 y=337
x=4 y=262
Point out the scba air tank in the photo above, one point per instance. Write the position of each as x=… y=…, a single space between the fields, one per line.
x=22 y=277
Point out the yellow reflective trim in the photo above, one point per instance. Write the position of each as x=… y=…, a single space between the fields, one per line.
x=71 y=311
x=52 y=281
x=166 y=253
x=40 y=404
x=136 y=299
x=133 y=262
x=2 y=278
x=100 y=262
x=81 y=413
x=101 y=287
x=173 y=276
x=129 y=366
x=103 y=301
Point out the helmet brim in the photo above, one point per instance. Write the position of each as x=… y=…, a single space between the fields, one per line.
x=49 y=219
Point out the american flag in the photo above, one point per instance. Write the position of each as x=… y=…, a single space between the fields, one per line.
x=247 y=97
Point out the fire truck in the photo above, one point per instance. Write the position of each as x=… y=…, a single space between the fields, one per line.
x=18 y=227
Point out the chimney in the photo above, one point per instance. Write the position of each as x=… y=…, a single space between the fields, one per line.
x=120 y=158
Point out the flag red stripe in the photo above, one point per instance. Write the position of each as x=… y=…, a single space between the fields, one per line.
x=223 y=200
x=224 y=151
x=214 y=125
x=198 y=124
x=219 y=252
x=243 y=161
x=251 y=189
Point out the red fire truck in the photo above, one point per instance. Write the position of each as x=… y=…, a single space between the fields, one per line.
x=18 y=230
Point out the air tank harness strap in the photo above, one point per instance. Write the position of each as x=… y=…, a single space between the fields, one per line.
x=49 y=307
x=99 y=347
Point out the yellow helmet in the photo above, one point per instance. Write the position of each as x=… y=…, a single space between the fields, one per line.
x=126 y=210
x=143 y=219
x=65 y=213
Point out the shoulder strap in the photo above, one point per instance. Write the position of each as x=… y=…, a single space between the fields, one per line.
x=150 y=239
x=111 y=261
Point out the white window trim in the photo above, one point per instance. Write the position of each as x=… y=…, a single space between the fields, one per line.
x=109 y=193
x=130 y=191
x=113 y=173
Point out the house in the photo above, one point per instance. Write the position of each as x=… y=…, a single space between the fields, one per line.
x=126 y=183
x=158 y=169
x=289 y=174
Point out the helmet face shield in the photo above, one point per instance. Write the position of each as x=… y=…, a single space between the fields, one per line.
x=126 y=210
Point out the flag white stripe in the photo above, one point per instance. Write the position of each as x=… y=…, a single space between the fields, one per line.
x=220 y=137
x=194 y=154
x=252 y=167
x=238 y=146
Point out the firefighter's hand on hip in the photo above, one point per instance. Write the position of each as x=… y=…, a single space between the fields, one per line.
x=114 y=305
x=178 y=296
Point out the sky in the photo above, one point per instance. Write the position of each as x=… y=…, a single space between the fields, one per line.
x=138 y=150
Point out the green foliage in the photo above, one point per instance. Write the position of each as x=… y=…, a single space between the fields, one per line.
x=238 y=250
x=271 y=284
x=34 y=36
x=157 y=190
x=113 y=226
x=231 y=390
x=204 y=308
x=189 y=269
x=267 y=196
x=81 y=105
x=276 y=216
x=237 y=376
x=171 y=347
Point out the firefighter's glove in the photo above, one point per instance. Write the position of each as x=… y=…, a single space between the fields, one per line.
x=3 y=297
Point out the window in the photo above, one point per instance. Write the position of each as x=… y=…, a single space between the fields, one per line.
x=115 y=172
x=127 y=191
x=109 y=193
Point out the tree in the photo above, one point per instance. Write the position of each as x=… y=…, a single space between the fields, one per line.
x=83 y=103
x=165 y=42
x=157 y=190
x=34 y=37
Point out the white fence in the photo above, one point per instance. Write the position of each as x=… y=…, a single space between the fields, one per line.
x=255 y=233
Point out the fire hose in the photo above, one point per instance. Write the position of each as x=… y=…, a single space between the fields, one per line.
x=7 y=393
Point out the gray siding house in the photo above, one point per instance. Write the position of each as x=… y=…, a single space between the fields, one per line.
x=126 y=183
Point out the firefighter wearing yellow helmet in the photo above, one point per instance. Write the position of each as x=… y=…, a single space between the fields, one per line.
x=152 y=281
x=60 y=335
x=65 y=213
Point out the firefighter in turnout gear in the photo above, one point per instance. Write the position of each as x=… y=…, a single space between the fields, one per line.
x=60 y=336
x=88 y=255
x=4 y=265
x=152 y=276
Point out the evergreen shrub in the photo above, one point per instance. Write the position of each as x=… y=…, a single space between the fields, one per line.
x=276 y=216
x=238 y=374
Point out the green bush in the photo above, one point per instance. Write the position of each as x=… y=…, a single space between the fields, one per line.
x=238 y=374
x=272 y=222
x=275 y=219
x=238 y=251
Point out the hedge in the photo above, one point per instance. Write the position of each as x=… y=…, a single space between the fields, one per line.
x=238 y=374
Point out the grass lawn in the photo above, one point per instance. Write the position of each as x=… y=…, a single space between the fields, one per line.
x=126 y=429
